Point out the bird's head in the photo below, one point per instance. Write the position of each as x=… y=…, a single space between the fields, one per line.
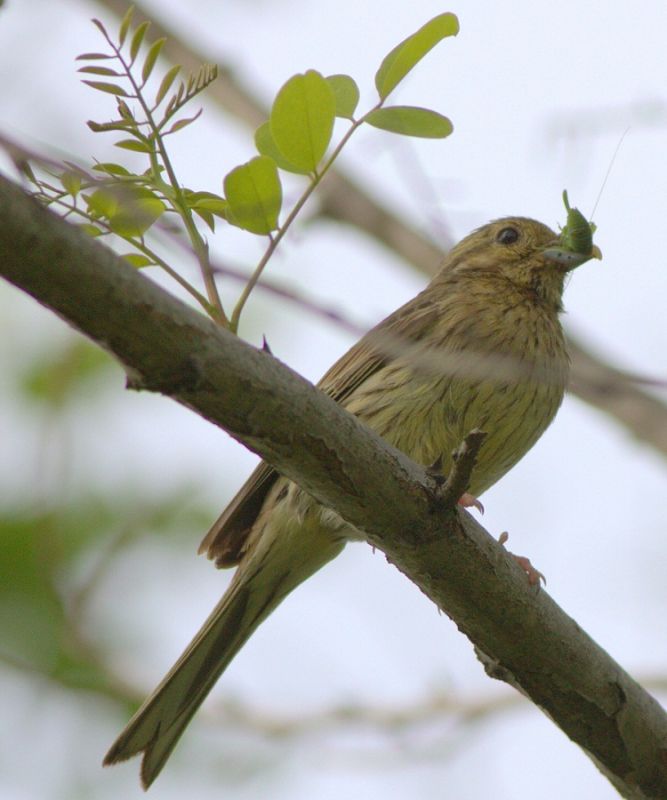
x=523 y=253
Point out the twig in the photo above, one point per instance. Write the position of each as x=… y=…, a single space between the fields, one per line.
x=463 y=462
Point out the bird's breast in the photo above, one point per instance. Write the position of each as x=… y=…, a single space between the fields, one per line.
x=503 y=371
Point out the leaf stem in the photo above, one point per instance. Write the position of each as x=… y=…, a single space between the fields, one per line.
x=138 y=244
x=275 y=240
x=177 y=200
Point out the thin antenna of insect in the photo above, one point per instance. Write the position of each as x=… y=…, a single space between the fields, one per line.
x=608 y=172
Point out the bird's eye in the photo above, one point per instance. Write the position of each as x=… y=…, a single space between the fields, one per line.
x=507 y=236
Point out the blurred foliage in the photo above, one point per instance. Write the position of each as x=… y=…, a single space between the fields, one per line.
x=51 y=565
x=56 y=377
x=56 y=546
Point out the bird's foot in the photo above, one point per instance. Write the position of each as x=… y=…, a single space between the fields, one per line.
x=534 y=576
x=469 y=500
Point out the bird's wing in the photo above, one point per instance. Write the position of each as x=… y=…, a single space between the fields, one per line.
x=224 y=543
x=226 y=539
x=387 y=340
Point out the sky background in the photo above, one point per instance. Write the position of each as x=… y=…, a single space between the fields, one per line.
x=540 y=96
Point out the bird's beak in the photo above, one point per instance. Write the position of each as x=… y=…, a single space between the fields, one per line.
x=575 y=245
x=568 y=258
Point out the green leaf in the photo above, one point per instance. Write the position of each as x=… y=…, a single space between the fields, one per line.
x=71 y=183
x=166 y=84
x=129 y=210
x=136 y=212
x=125 y=25
x=111 y=88
x=151 y=58
x=25 y=169
x=92 y=56
x=102 y=203
x=109 y=168
x=206 y=205
x=207 y=201
x=411 y=121
x=254 y=194
x=208 y=218
x=115 y=125
x=100 y=27
x=396 y=64
x=90 y=230
x=182 y=123
x=346 y=94
x=302 y=119
x=134 y=145
x=266 y=146
x=137 y=39
x=101 y=71
x=138 y=260
x=124 y=109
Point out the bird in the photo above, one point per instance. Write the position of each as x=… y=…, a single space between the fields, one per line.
x=481 y=347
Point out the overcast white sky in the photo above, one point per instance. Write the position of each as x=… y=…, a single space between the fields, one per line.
x=539 y=94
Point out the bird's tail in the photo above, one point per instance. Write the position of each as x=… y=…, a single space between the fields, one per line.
x=256 y=590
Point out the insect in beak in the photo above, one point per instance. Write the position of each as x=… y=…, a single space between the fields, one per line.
x=575 y=243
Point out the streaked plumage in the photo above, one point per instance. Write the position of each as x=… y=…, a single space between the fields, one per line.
x=480 y=347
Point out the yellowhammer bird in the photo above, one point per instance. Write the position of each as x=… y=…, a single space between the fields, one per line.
x=480 y=347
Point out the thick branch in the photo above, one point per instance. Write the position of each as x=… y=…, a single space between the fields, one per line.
x=168 y=347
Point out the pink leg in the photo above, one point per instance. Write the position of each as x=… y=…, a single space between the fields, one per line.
x=534 y=576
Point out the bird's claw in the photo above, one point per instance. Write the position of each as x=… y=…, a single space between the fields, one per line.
x=534 y=576
x=469 y=500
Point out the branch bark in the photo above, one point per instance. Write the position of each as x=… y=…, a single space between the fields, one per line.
x=524 y=638
x=613 y=391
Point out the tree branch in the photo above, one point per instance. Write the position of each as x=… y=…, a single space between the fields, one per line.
x=168 y=347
